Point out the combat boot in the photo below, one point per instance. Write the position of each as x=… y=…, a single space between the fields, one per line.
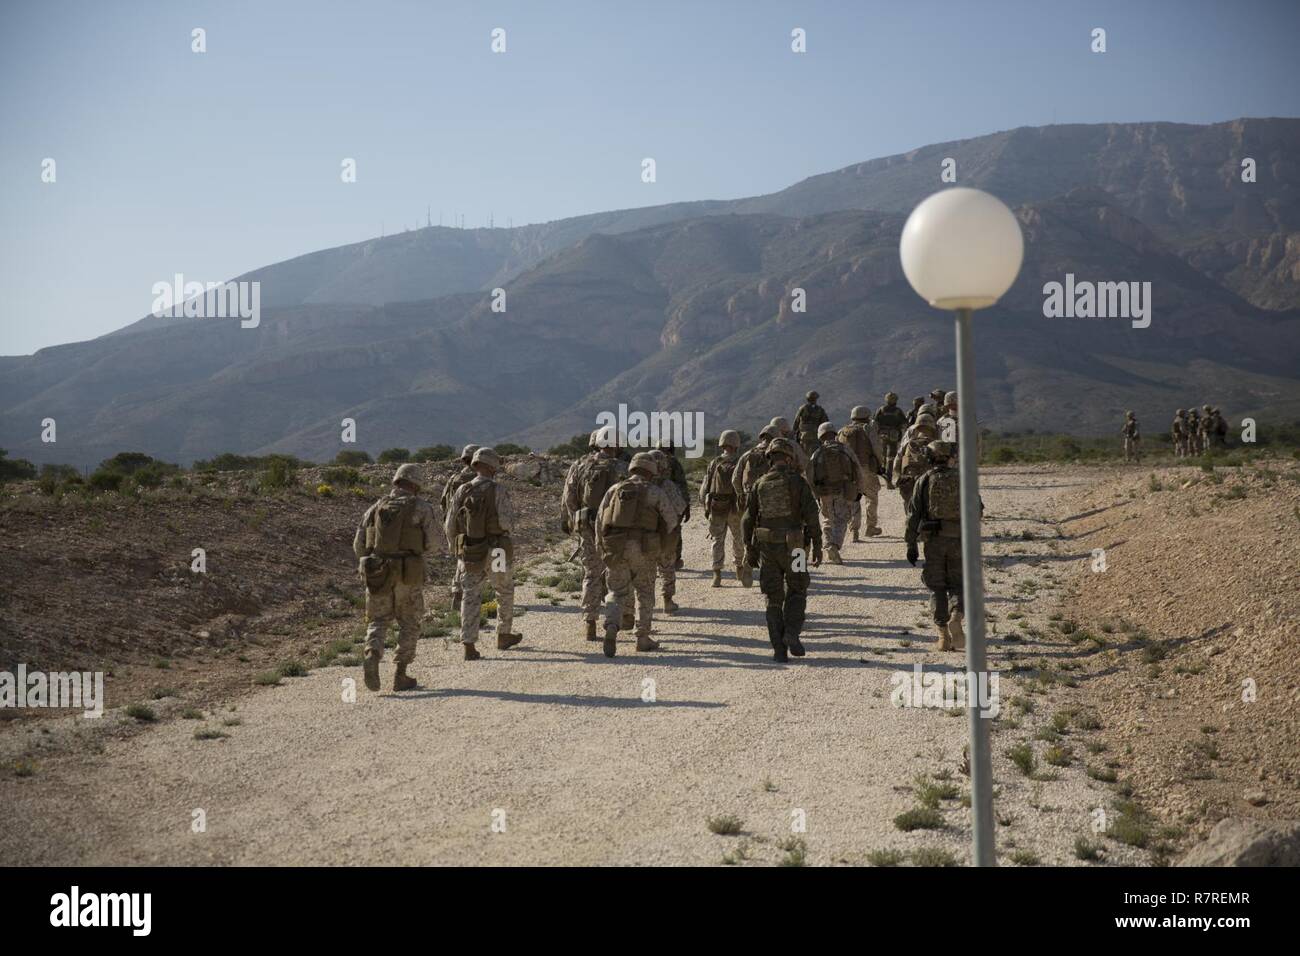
x=402 y=681
x=645 y=644
x=746 y=575
x=370 y=672
x=717 y=578
x=872 y=532
x=958 y=635
x=471 y=653
x=945 y=642
x=833 y=554
x=794 y=644
x=776 y=634
x=856 y=539
x=591 y=631
x=611 y=641
x=670 y=606
x=508 y=640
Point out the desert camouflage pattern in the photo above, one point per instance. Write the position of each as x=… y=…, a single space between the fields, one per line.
x=497 y=567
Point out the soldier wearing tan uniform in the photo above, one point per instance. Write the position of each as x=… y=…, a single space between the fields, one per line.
x=935 y=519
x=394 y=535
x=722 y=506
x=836 y=477
x=634 y=519
x=584 y=489
x=800 y=456
x=912 y=461
x=462 y=477
x=862 y=437
x=752 y=464
x=890 y=421
x=667 y=564
x=479 y=522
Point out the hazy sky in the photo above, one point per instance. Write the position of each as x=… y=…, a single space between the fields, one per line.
x=213 y=164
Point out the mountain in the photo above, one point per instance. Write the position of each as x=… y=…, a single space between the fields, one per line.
x=689 y=307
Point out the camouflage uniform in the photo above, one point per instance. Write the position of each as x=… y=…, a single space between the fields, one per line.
x=1219 y=430
x=752 y=465
x=782 y=430
x=462 y=477
x=1194 y=432
x=807 y=420
x=836 y=478
x=489 y=558
x=935 y=518
x=780 y=521
x=721 y=504
x=916 y=410
x=631 y=553
x=1178 y=434
x=863 y=438
x=584 y=487
x=1131 y=437
x=911 y=461
x=890 y=421
x=677 y=474
x=400 y=598
x=667 y=563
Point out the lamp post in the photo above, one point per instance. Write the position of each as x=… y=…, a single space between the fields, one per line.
x=961 y=250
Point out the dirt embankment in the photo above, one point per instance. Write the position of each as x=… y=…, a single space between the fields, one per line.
x=105 y=583
x=1198 y=599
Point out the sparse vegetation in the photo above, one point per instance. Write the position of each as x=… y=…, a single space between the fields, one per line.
x=724 y=825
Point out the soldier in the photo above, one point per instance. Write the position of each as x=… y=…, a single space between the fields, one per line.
x=936 y=399
x=1131 y=436
x=635 y=516
x=391 y=541
x=935 y=518
x=666 y=562
x=752 y=464
x=780 y=521
x=1206 y=426
x=783 y=430
x=916 y=410
x=947 y=427
x=678 y=476
x=836 y=480
x=1194 y=432
x=479 y=521
x=1220 y=429
x=722 y=506
x=890 y=422
x=1178 y=433
x=462 y=477
x=584 y=489
x=863 y=439
x=912 y=461
x=807 y=420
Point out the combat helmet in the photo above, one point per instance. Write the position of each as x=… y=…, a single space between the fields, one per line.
x=940 y=450
x=408 y=472
x=780 y=423
x=780 y=446
x=860 y=413
x=1181 y=412
x=811 y=397
x=729 y=439
x=487 y=456
x=768 y=432
x=1129 y=413
x=644 y=461
x=891 y=398
x=824 y=429
x=467 y=453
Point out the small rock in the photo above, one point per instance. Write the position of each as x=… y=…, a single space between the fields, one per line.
x=1256 y=798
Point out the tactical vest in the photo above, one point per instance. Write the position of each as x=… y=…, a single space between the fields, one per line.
x=392 y=532
x=915 y=461
x=756 y=466
x=891 y=419
x=856 y=437
x=462 y=477
x=477 y=517
x=629 y=508
x=597 y=478
x=721 y=492
x=779 y=500
x=831 y=469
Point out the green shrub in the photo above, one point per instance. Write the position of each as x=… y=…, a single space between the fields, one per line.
x=15 y=469
x=353 y=458
x=506 y=448
x=341 y=477
x=390 y=456
x=281 y=472
x=435 y=453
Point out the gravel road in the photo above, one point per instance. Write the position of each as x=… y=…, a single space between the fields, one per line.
x=548 y=753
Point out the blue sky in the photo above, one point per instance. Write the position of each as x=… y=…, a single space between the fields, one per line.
x=213 y=164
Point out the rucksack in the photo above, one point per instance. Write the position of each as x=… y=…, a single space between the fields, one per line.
x=597 y=478
x=945 y=495
x=626 y=506
x=915 y=461
x=390 y=524
x=856 y=437
x=477 y=509
x=831 y=466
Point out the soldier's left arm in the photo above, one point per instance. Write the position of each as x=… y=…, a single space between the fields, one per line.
x=505 y=509
x=810 y=514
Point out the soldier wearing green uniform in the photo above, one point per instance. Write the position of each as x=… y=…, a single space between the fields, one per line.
x=934 y=518
x=890 y=422
x=806 y=422
x=779 y=524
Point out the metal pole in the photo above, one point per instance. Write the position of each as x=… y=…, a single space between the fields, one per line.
x=981 y=769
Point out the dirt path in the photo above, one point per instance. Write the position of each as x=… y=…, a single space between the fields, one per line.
x=556 y=743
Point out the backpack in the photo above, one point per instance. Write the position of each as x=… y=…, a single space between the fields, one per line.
x=756 y=466
x=477 y=514
x=855 y=436
x=831 y=467
x=391 y=531
x=626 y=509
x=597 y=478
x=915 y=461
x=721 y=492
x=945 y=495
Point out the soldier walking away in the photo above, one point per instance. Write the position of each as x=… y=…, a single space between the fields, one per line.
x=634 y=518
x=912 y=461
x=479 y=521
x=779 y=524
x=783 y=431
x=672 y=539
x=462 y=476
x=584 y=489
x=391 y=541
x=752 y=465
x=722 y=507
x=948 y=428
x=807 y=420
x=1194 y=432
x=1178 y=433
x=890 y=422
x=862 y=437
x=1131 y=437
x=935 y=519
x=836 y=480
x=678 y=476
x=1220 y=429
